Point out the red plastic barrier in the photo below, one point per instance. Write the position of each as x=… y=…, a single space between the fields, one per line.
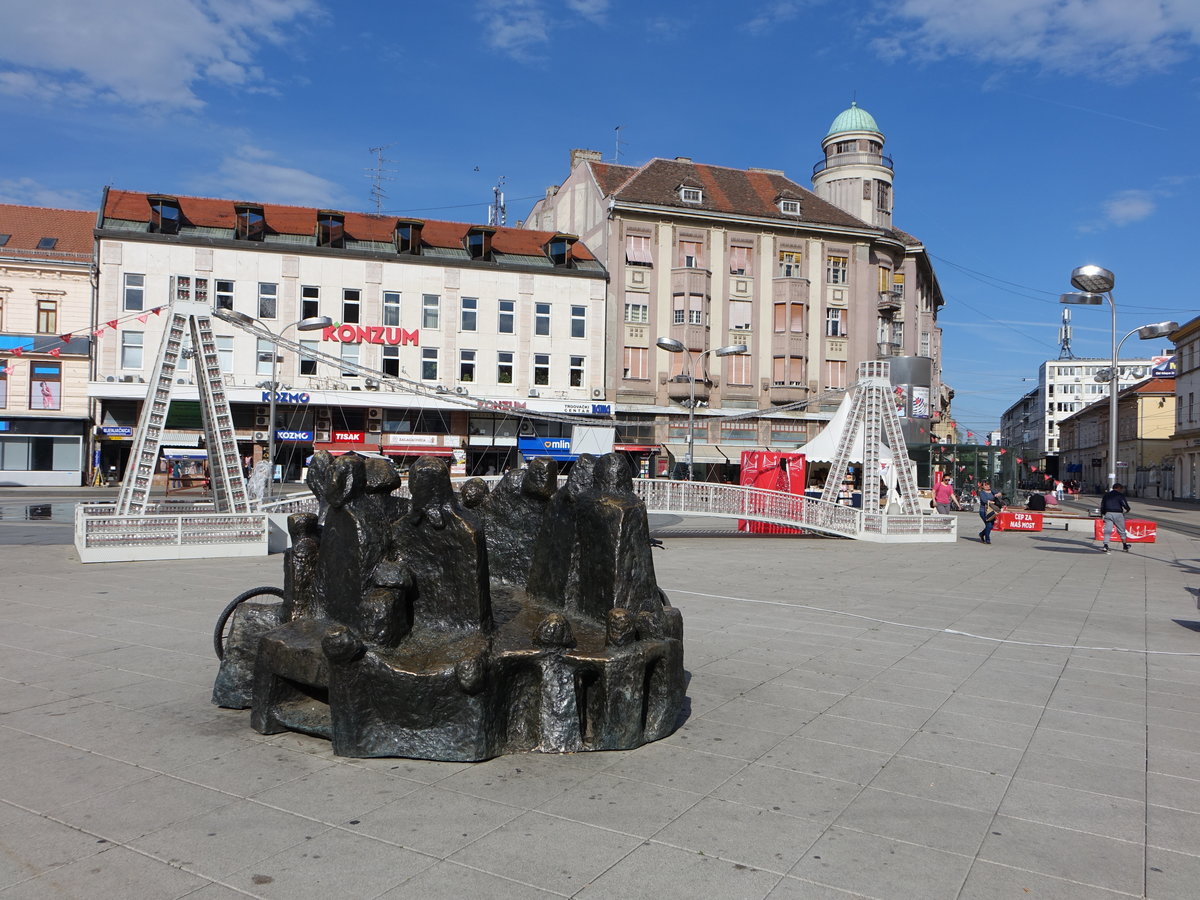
x=1139 y=531
x=1018 y=520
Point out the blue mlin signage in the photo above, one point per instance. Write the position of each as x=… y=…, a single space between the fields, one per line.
x=556 y=448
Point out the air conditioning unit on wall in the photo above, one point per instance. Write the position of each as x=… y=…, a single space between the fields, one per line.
x=375 y=413
x=597 y=393
x=262 y=436
x=262 y=421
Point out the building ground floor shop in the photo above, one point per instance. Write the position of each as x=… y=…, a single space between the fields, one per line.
x=43 y=451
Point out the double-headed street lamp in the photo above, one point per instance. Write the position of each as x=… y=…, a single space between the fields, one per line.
x=316 y=323
x=673 y=346
x=1095 y=285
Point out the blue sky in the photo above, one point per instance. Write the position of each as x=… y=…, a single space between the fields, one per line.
x=1029 y=136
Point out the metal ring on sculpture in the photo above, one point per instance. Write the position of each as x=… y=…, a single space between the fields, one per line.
x=227 y=612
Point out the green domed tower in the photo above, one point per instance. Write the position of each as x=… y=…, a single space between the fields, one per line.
x=855 y=175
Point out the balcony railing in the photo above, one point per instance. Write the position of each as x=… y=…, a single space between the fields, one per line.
x=842 y=159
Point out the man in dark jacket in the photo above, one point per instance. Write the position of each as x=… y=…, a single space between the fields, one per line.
x=1113 y=507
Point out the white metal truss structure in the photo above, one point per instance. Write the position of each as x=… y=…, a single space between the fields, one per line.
x=873 y=412
x=186 y=318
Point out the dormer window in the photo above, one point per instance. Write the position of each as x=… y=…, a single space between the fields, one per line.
x=789 y=207
x=331 y=229
x=691 y=194
x=4 y=239
x=558 y=248
x=478 y=242
x=250 y=223
x=47 y=243
x=408 y=236
x=165 y=215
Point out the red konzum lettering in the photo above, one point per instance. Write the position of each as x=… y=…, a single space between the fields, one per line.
x=371 y=334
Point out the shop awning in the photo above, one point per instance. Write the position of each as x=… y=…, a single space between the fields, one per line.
x=702 y=453
x=636 y=448
x=734 y=451
x=337 y=449
x=417 y=450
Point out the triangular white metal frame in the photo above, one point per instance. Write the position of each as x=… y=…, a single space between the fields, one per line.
x=873 y=411
x=229 y=494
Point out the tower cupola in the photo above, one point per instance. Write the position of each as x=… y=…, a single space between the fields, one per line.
x=855 y=176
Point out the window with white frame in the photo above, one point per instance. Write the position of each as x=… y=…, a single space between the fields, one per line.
x=264 y=353
x=306 y=365
x=578 y=321
x=637 y=250
x=391 y=308
x=131 y=349
x=789 y=207
x=677 y=432
x=575 y=372
x=47 y=317
x=351 y=306
x=541 y=318
x=429 y=363
x=788 y=434
x=541 y=368
x=468 y=318
x=636 y=364
x=268 y=295
x=739 y=432
x=637 y=308
x=224 y=295
x=310 y=302
x=350 y=357
x=835 y=374
x=926 y=343
x=391 y=360
x=741 y=315
x=691 y=195
x=787 y=371
x=506 y=319
x=504 y=367
x=688 y=309
x=898 y=283
x=740 y=260
x=431 y=312
x=837 y=270
x=897 y=333
x=789 y=264
x=738 y=370
x=466 y=365
x=135 y=292
x=224 y=352
x=835 y=322
x=689 y=255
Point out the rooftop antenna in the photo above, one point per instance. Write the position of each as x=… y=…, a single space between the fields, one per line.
x=1064 y=337
x=497 y=214
x=378 y=174
x=619 y=142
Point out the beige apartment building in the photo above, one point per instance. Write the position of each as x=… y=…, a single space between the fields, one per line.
x=1145 y=424
x=45 y=312
x=1185 y=441
x=811 y=282
x=486 y=318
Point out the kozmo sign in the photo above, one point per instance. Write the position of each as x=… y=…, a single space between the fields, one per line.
x=371 y=334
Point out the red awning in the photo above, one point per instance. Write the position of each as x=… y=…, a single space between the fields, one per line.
x=636 y=448
x=337 y=449
x=401 y=450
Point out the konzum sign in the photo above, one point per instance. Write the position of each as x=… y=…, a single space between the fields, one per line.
x=371 y=334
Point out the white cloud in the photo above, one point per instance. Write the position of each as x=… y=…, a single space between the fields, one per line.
x=252 y=175
x=769 y=17
x=139 y=52
x=519 y=28
x=28 y=192
x=1126 y=207
x=1108 y=39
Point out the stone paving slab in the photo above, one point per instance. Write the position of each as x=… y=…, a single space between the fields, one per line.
x=942 y=721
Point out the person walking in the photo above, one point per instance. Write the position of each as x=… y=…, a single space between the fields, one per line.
x=943 y=497
x=1113 y=507
x=988 y=509
x=1059 y=489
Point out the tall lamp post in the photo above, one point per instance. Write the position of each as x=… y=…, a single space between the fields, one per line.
x=316 y=323
x=673 y=346
x=1095 y=285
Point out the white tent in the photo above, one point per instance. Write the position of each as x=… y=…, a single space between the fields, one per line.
x=823 y=448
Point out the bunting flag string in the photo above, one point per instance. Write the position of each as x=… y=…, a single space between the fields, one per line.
x=16 y=351
x=66 y=338
x=143 y=317
x=56 y=352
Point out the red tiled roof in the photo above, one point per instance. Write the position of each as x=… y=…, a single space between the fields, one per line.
x=738 y=191
x=1153 y=386
x=27 y=225
x=301 y=220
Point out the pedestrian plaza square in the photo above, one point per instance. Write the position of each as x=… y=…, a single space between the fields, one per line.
x=862 y=720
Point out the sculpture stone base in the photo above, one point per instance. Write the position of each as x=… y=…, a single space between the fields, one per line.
x=393 y=639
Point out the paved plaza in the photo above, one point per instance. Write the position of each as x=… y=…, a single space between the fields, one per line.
x=1020 y=720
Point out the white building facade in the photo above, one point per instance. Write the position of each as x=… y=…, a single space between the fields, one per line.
x=487 y=318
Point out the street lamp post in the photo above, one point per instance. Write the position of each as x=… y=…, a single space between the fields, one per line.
x=673 y=346
x=315 y=323
x=1095 y=286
